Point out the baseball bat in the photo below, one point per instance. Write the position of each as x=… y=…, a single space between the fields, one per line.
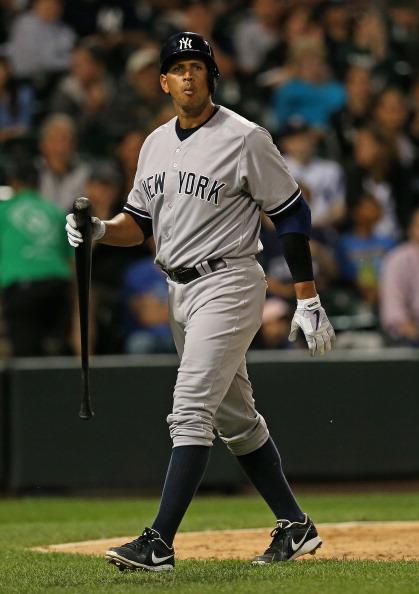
x=82 y=213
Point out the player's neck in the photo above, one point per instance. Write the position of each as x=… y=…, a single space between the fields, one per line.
x=193 y=119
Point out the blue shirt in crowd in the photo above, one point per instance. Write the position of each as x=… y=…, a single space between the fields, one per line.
x=361 y=258
x=142 y=278
x=24 y=110
x=313 y=103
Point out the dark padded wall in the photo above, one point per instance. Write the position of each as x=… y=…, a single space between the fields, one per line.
x=342 y=419
x=331 y=418
x=125 y=445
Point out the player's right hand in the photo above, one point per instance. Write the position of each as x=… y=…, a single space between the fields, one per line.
x=75 y=237
x=73 y=234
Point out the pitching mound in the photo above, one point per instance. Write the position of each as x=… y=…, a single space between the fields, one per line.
x=349 y=540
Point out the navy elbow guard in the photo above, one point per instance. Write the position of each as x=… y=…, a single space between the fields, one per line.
x=293 y=226
x=295 y=219
x=142 y=218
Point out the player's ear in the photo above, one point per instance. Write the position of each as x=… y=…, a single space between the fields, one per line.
x=163 y=83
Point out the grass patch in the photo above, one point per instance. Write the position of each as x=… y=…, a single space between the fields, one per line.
x=57 y=573
x=29 y=522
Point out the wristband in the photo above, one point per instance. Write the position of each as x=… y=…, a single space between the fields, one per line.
x=311 y=303
x=100 y=230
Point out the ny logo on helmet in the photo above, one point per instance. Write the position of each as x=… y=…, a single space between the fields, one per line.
x=185 y=43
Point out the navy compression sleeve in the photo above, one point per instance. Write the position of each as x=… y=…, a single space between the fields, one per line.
x=298 y=256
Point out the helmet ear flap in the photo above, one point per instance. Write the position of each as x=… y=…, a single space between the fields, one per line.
x=213 y=76
x=211 y=82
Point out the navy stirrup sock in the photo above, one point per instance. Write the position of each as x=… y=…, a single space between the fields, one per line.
x=184 y=474
x=264 y=469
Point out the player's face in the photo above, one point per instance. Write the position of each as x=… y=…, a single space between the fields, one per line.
x=187 y=83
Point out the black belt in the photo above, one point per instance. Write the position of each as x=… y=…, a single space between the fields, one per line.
x=186 y=275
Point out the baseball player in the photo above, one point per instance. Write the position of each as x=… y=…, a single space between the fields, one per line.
x=201 y=184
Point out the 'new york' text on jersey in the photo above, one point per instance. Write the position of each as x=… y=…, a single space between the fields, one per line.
x=204 y=194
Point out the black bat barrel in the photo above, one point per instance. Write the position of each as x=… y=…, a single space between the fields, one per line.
x=82 y=214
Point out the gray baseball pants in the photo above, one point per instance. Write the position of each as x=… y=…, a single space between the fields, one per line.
x=214 y=319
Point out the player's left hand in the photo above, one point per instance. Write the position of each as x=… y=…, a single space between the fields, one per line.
x=313 y=321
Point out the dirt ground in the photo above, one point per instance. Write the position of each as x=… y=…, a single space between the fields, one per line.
x=348 y=540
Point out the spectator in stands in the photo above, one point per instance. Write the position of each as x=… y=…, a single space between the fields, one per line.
x=390 y=114
x=118 y=26
x=311 y=93
x=8 y=11
x=295 y=23
x=274 y=331
x=400 y=290
x=108 y=19
x=356 y=112
x=62 y=173
x=140 y=102
x=370 y=48
x=323 y=178
x=414 y=114
x=35 y=268
x=413 y=129
x=126 y=153
x=16 y=105
x=145 y=291
x=200 y=16
x=403 y=23
x=85 y=94
x=336 y=24
x=40 y=43
x=376 y=170
x=256 y=34
x=103 y=188
x=361 y=251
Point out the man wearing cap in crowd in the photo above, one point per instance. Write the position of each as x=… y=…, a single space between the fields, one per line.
x=324 y=178
x=140 y=102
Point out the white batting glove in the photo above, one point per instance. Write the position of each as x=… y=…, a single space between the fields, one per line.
x=73 y=234
x=313 y=321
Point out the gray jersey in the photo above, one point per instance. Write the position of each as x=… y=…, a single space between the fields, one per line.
x=204 y=194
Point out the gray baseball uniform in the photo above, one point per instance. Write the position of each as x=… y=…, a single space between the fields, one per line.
x=204 y=196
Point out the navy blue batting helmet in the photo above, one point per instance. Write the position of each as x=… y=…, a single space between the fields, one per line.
x=186 y=44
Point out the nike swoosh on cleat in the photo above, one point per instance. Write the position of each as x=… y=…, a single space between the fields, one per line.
x=297 y=545
x=156 y=559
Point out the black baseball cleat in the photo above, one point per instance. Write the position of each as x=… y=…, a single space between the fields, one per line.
x=290 y=540
x=148 y=552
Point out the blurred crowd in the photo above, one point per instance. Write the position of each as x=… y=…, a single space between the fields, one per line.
x=335 y=82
